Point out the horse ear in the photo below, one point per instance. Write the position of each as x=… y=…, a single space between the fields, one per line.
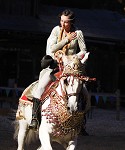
x=85 y=58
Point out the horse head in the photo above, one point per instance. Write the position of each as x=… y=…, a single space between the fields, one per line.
x=73 y=72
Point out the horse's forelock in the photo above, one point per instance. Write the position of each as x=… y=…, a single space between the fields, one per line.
x=72 y=65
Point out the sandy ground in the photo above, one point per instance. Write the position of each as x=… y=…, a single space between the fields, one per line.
x=105 y=133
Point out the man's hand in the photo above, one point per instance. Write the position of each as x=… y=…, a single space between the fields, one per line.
x=71 y=36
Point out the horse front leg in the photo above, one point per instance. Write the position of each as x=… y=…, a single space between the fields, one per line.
x=44 y=138
x=72 y=144
x=22 y=134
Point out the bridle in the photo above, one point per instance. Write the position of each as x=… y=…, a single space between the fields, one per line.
x=74 y=76
x=80 y=77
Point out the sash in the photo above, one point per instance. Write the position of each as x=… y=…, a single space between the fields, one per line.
x=58 y=54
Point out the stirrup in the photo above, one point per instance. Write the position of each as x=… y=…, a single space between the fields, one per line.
x=34 y=124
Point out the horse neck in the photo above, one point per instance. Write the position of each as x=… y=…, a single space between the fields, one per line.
x=61 y=88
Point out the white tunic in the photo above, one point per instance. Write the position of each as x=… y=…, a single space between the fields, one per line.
x=53 y=45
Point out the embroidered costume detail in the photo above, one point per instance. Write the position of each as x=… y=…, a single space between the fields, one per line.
x=57 y=114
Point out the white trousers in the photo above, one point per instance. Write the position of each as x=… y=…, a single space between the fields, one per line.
x=44 y=78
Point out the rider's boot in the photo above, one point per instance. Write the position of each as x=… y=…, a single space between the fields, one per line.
x=35 y=110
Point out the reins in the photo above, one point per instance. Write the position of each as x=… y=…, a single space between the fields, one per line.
x=80 y=77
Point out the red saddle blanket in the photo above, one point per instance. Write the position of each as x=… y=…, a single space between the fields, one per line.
x=27 y=94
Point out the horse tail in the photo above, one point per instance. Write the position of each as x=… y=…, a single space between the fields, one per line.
x=31 y=136
x=16 y=129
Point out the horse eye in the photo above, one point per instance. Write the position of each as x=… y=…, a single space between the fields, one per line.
x=75 y=66
x=66 y=82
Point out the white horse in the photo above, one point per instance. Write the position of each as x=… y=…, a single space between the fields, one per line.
x=61 y=120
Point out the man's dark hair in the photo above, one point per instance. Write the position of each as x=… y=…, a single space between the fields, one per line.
x=69 y=13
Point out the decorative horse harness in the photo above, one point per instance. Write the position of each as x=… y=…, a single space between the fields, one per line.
x=57 y=112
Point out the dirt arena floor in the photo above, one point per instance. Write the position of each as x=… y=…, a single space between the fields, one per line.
x=105 y=133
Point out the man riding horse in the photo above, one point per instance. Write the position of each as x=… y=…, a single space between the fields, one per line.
x=64 y=39
x=61 y=119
